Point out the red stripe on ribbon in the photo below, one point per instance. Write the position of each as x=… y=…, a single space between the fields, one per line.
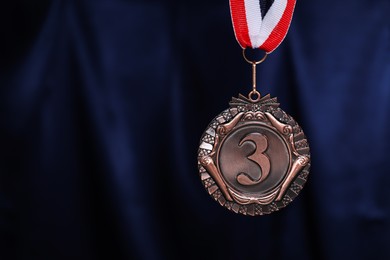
x=238 y=12
x=280 y=31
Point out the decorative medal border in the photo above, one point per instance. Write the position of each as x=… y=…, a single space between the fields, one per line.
x=265 y=110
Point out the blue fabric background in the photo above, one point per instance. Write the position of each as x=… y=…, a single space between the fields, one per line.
x=103 y=103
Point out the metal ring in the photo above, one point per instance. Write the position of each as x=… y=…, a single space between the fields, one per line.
x=254 y=93
x=254 y=62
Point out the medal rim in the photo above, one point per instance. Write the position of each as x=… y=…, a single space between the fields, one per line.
x=265 y=105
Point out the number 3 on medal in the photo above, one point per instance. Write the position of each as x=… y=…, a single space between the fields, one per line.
x=258 y=157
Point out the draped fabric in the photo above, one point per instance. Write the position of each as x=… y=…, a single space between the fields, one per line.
x=103 y=103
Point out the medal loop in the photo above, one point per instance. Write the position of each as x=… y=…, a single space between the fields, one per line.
x=254 y=96
x=253 y=62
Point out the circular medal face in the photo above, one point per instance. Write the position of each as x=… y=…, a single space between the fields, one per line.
x=253 y=158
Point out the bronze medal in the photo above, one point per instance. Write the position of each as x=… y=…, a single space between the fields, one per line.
x=253 y=158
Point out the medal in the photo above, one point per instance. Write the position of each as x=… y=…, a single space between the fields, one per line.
x=253 y=158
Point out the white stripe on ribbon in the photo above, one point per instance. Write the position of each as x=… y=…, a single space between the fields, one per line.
x=259 y=29
x=253 y=19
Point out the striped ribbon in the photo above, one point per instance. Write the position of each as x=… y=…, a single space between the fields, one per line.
x=261 y=24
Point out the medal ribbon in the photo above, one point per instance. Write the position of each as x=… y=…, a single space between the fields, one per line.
x=261 y=24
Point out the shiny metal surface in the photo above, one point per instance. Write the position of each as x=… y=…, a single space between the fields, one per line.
x=253 y=158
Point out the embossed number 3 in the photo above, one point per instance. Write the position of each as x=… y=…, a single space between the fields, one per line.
x=258 y=157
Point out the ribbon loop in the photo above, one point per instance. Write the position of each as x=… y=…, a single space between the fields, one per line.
x=261 y=24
